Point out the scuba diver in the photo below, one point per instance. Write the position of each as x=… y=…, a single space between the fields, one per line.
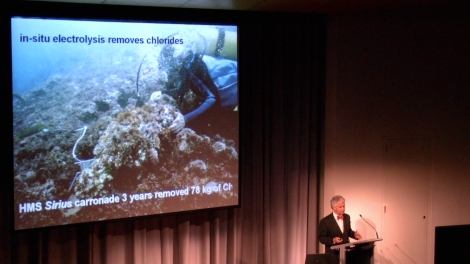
x=205 y=89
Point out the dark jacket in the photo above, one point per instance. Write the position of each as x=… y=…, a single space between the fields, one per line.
x=329 y=229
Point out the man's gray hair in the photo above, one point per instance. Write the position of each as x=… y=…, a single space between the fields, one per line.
x=336 y=199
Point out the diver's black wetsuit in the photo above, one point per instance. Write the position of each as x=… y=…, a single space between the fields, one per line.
x=215 y=82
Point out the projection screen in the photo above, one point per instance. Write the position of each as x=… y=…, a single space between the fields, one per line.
x=119 y=119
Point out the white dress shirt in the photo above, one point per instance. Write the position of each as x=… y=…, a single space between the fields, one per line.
x=340 y=222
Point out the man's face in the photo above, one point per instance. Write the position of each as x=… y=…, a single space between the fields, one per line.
x=339 y=208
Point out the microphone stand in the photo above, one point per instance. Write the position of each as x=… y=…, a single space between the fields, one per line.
x=377 y=234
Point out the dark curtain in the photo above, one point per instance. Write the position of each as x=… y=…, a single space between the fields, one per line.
x=281 y=63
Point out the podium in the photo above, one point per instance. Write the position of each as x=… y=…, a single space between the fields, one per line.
x=367 y=244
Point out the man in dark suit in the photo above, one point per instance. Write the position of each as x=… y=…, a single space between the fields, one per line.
x=335 y=228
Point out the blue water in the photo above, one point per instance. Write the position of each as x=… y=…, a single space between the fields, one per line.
x=36 y=57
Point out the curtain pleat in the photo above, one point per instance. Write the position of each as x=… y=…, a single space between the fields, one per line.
x=219 y=238
x=153 y=242
x=140 y=241
x=278 y=57
x=59 y=244
x=168 y=238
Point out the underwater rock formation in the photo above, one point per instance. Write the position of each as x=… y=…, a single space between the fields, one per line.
x=130 y=143
x=138 y=153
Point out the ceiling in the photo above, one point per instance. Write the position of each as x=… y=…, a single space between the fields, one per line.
x=303 y=6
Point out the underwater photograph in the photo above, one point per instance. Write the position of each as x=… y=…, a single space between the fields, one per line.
x=122 y=119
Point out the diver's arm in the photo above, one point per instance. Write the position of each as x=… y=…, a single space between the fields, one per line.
x=201 y=109
x=180 y=121
x=208 y=102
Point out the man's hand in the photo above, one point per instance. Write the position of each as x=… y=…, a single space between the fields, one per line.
x=177 y=124
x=337 y=240
x=357 y=235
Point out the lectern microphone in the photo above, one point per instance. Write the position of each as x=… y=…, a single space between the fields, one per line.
x=377 y=234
